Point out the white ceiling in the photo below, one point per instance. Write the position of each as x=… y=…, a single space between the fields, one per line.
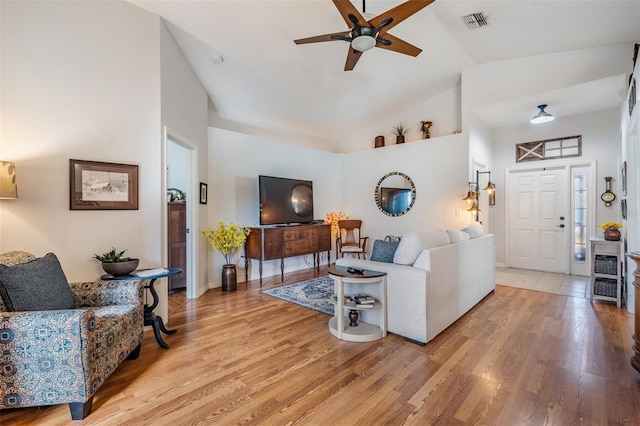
x=267 y=82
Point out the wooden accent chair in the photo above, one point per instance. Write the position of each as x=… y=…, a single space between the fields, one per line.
x=350 y=239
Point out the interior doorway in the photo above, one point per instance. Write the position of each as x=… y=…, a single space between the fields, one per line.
x=180 y=184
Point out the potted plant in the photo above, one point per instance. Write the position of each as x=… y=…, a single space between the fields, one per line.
x=400 y=130
x=611 y=230
x=115 y=263
x=227 y=240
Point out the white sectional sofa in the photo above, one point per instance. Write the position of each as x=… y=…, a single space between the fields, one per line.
x=432 y=281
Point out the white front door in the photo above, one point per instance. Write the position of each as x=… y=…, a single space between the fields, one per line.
x=539 y=220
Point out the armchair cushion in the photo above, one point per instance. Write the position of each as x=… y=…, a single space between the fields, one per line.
x=37 y=285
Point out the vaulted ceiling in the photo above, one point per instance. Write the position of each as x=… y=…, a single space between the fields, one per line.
x=268 y=82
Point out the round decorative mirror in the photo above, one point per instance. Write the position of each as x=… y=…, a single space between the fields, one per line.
x=395 y=194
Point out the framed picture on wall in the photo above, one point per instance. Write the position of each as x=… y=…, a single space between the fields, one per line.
x=203 y=193
x=623 y=179
x=95 y=185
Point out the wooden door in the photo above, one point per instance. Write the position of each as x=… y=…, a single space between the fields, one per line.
x=539 y=220
x=177 y=243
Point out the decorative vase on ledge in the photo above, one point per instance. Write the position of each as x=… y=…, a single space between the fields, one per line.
x=399 y=139
x=379 y=142
x=612 y=234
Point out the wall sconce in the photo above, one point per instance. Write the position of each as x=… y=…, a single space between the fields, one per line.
x=8 y=186
x=474 y=193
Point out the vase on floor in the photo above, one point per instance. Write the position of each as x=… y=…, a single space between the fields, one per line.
x=612 y=234
x=229 y=278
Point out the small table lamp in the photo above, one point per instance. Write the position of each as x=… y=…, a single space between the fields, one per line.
x=8 y=186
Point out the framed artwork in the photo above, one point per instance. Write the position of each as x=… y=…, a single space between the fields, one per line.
x=95 y=185
x=623 y=178
x=203 y=193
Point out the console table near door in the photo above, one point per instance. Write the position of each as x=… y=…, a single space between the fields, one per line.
x=280 y=242
x=150 y=318
x=635 y=359
x=607 y=279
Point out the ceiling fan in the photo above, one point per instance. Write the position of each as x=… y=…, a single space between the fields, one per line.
x=364 y=35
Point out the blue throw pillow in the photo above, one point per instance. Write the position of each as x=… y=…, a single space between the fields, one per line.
x=38 y=285
x=383 y=251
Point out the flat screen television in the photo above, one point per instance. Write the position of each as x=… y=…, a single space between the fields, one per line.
x=285 y=201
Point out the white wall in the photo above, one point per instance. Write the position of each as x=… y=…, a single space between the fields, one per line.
x=80 y=81
x=600 y=141
x=178 y=171
x=438 y=168
x=442 y=109
x=481 y=153
x=235 y=161
x=184 y=113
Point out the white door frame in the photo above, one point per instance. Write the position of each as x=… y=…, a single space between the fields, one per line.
x=569 y=166
x=192 y=222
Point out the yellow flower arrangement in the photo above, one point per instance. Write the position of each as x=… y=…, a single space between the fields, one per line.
x=227 y=240
x=610 y=225
x=332 y=219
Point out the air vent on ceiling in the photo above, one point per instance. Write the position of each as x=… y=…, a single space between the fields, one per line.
x=475 y=20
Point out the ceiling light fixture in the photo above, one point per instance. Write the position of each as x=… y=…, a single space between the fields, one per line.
x=542 y=116
x=363 y=43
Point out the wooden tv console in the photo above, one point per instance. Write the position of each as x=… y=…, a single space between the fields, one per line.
x=280 y=242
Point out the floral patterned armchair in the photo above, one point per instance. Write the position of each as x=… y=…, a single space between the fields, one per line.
x=52 y=357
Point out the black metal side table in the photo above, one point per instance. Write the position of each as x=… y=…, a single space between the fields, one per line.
x=149 y=317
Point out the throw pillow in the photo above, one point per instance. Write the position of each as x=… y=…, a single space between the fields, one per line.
x=435 y=238
x=38 y=285
x=457 y=236
x=424 y=260
x=474 y=230
x=408 y=250
x=383 y=251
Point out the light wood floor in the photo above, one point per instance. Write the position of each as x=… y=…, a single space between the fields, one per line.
x=520 y=357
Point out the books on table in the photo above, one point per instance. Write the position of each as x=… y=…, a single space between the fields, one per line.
x=363 y=301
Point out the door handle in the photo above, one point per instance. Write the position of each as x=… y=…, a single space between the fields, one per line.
x=561 y=225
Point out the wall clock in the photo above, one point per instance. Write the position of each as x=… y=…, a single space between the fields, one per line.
x=608 y=196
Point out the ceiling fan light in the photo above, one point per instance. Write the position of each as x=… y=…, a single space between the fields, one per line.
x=542 y=116
x=363 y=43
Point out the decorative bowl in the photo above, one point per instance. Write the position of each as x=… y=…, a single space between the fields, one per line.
x=120 y=268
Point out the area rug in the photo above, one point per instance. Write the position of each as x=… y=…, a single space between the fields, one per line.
x=313 y=294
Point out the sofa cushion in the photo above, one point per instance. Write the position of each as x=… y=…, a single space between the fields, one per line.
x=424 y=260
x=408 y=250
x=383 y=251
x=435 y=238
x=38 y=285
x=457 y=236
x=474 y=230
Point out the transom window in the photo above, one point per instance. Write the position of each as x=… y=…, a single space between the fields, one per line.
x=570 y=146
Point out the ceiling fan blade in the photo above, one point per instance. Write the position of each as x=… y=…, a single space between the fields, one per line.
x=352 y=59
x=399 y=13
x=325 y=37
x=346 y=8
x=399 y=45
